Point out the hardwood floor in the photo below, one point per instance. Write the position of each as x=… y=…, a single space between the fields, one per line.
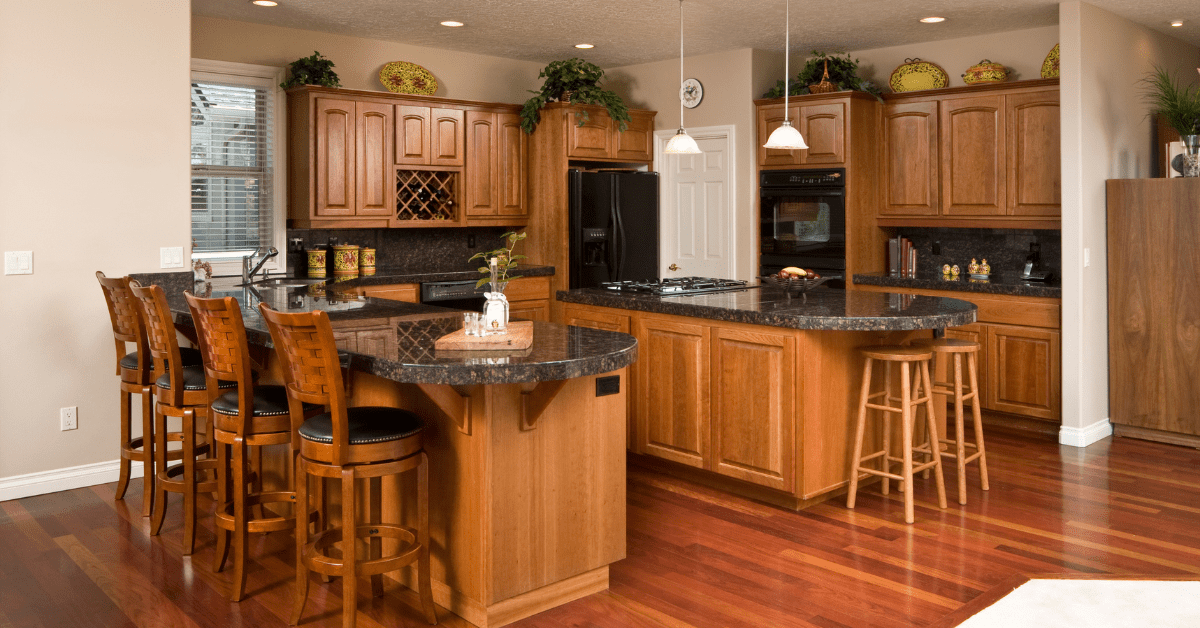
x=696 y=557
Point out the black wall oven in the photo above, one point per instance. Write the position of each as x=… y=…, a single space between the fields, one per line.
x=803 y=221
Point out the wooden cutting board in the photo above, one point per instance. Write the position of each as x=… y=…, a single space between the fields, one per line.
x=519 y=336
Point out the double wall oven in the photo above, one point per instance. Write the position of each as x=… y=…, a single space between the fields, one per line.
x=803 y=222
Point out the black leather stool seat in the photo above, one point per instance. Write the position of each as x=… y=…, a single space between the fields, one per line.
x=368 y=424
x=269 y=400
x=190 y=357
x=193 y=379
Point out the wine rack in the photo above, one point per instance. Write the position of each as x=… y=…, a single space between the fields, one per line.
x=427 y=195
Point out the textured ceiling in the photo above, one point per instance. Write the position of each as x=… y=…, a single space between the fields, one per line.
x=636 y=31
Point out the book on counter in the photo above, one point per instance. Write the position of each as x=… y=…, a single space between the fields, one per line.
x=902 y=257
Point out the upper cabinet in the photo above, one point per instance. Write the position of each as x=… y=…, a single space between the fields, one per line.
x=1034 y=154
x=973 y=165
x=361 y=159
x=909 y=160
x=597 y=137
x=822 y=124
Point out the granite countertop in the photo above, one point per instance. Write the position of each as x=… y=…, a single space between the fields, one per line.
x=402 y=336
x=820 y=308
x=385 y=276
x=998 y=283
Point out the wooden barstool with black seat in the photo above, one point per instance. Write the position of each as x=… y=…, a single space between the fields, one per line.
x=182 y=393
x=348 y=444
x=912 y=395
x=136 y=370
x=953 y=389
x=253 y=416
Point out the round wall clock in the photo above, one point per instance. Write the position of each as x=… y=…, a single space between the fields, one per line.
x=691 y=92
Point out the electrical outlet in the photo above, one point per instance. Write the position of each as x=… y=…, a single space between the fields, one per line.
x=18 y=262
x=171 y=257
x=69 y=418
x=1087 y=258
x=471 y=241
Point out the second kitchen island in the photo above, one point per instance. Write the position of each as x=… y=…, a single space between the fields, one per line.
x=755 y=389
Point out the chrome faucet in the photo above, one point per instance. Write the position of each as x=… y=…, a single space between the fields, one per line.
x=248 y=272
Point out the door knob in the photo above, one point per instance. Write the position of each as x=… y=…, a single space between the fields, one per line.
x=673 y=267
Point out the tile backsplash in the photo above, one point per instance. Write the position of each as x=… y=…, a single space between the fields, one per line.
x=1004 y=249
x=412 y=249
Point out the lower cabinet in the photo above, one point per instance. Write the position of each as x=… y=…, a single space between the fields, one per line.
x=534 y=310
x=673 y=419
x=1023 y=371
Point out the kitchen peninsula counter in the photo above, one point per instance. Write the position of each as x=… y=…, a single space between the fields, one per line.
x=387 y=276
x=1009 y=284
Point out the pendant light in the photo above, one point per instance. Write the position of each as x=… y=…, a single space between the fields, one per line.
x=682 y=143
x=786 y=137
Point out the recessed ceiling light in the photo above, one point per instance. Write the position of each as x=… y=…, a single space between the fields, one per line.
x=452 y=23
x=265 y=3
x=1177 y=23
x=584 y=46
x=933 y=20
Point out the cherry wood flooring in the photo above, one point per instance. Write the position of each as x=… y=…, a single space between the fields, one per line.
x=696 y=557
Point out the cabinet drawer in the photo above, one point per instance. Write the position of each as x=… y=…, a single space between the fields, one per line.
x=528 y=288
x=407 y=292
x=589 y=317
x=1015 y=311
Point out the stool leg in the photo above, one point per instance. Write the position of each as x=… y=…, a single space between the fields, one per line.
x=148 y=451
x=978 y=421
x=423 y=538
x=375 y=507
x=126 y=436
x=921 y=425
x=301 y=510
x=859 y=428
x=349 y=555
x=960 y=441
x=160 y=454
x=189 y=481
x=933 y=434
x=221 y=553
x=884 y=463
x=906 y=424
x=239 y=519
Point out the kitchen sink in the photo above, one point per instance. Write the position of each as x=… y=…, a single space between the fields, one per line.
x=285 y=282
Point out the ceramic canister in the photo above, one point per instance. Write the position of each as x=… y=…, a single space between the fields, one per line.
x=345 y=260
x=316 y=263
x=366 y=262
x=985 y=72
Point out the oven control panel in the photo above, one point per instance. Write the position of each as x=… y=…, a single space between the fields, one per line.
x=801 y=179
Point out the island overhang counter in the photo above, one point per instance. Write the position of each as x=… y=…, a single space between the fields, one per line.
x=753 y=391
x=527 y=450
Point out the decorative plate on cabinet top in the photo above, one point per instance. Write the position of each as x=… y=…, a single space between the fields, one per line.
x=1050 y=65
x=403 y=77
x=916 y=75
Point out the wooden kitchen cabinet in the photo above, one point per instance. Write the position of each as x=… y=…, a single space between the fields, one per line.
x=595 y=319
x=1023 y=371
x=673 y=420
x=536 y=310
x=598 y=137
x=973 y=144
x=1034 y=153
x=636 y=142
x=495 y=171
x=823 y=126
x=910 y=159
x=335 y=157
x=770 y=117
x=429 y=136
x=407 y=292
x=375 y=185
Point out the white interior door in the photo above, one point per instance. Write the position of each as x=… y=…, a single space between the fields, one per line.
x=697 y=208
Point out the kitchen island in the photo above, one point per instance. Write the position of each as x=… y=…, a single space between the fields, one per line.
x=527 y=458
x=751 y=390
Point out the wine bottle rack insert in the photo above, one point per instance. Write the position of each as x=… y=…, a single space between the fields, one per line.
x=427 y=195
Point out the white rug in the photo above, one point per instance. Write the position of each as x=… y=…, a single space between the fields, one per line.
x=1094 y=604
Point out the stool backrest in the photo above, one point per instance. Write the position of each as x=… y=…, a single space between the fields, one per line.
x=126 y=315
x=312 y=372
x=221 y=333
x=160 y=337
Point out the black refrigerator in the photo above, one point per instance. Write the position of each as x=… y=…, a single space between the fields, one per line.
x=613 y=227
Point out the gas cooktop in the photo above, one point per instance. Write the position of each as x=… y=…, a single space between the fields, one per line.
x=676 y=285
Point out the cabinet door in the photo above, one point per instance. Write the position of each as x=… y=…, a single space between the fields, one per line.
x=381 y=343
x=335 y=157
x=824 y=130
x=376 y=175
x=770 y=117
x=412 y=135
x=975 y=332
x=910 y=159
x=511 y=143
x=446 y=137
x=530 y=310
x=1034 y=172
x=592 y=138
x=973 y=162
x=1023 y=371
x=585 y=317
x=673 y=419
x=753 y=413
x=481 y=164
x=636 y=142
x=407 y=292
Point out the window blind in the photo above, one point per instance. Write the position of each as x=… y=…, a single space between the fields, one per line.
x=232 y=167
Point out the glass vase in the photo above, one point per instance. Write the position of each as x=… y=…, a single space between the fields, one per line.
x=1191 y=155
x=495 y=307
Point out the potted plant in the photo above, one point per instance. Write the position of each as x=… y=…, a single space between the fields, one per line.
x=1180 y=107
x=311 y=70
x=499 y=263
x=574 y=81
x=843 y=72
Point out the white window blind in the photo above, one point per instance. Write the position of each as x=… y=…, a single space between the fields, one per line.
x=233 y=162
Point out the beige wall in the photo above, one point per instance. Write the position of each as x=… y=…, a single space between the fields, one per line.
x=1105 y=135
x=358 y=61
x=93 y=176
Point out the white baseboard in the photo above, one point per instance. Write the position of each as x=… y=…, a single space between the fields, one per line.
x=44 y=482
x=1084 y=436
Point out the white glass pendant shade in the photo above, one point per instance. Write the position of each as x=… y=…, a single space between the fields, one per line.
x=682 y=144
x=786 y=137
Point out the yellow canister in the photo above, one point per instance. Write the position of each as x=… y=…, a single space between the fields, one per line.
x=366 y=262
x=345 y=260
x=316 y=263
x=985 y=72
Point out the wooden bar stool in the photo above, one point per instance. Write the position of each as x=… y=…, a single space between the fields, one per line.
x=909 y=399
x=181 y=392
x=954 y=389
x=136 y=370
x=348 y=444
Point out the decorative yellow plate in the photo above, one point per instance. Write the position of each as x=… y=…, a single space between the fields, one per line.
x=1050 y=65
x=403 y=77
x=916 y=75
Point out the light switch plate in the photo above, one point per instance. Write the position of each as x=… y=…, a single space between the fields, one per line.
x=18 y=262
x=171 y=257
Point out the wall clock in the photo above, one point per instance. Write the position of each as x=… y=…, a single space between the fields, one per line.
x=691 y=92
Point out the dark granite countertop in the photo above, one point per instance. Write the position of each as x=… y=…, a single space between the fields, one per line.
x=998 y=283
x=387 y=276
x=820 y=308
x=402 y=336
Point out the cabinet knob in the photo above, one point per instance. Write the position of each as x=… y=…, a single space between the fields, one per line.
x=673 y=267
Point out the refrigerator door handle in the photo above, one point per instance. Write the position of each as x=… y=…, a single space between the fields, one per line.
x=620 y=226
x=613 y=240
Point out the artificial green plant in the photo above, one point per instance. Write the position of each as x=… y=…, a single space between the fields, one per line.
x=580 y=79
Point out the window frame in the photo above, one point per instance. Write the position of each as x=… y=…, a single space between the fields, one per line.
x=270 y=77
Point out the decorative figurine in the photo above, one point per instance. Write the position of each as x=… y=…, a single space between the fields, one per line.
x=954 y=271
x=945 y=269
x=973 y=267
x=984 y=269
